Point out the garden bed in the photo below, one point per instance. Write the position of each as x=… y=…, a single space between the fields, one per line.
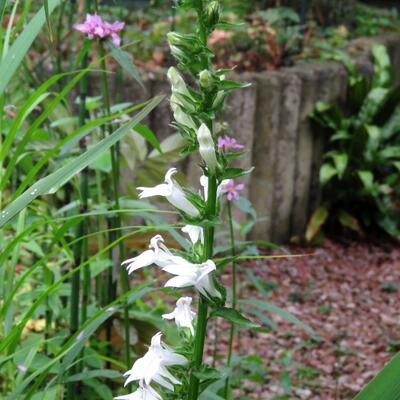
x=347 y=293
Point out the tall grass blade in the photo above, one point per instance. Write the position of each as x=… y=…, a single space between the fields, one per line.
x=54 y=181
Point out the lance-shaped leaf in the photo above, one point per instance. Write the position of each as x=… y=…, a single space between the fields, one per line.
x=54 y=181
x=234 y=316
x=24 y=41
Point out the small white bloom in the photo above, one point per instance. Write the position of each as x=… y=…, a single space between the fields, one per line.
x=182 y=314
x=172 y=191
x=152 y=366
x=197 y=275
x=195 y=233
x=159 y=254
x=207 y=147
x=141 y=393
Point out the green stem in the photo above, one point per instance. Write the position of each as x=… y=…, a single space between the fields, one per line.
x=116 y=221
x=80 y=249
x=203 y=306
x=234 y=294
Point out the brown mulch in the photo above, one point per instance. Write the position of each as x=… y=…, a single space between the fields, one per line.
x=348 y=293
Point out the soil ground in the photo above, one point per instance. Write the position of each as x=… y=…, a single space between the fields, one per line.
x=348 y=293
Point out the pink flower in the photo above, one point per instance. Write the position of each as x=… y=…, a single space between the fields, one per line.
x=95 y=26
x=227 y=143
x=231 y=189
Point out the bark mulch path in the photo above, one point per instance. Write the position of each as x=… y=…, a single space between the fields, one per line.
x=348 y=293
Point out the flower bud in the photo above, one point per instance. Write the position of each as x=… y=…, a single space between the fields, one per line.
x=205 y=78
x=219 y=98
x=213 y=13
x=207 y=147
x=177 y=82
x=174 y=39
x=177 y=52
x=181 y=101
x=183 y=119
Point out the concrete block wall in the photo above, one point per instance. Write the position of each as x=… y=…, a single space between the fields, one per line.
x=271 y=119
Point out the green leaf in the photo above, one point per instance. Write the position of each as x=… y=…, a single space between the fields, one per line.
x=349 y=221
x=232 y=173
x=320 y=215
x=386 y=385
x=52 y=182
x=234 y=316
x=326 y=173
x=227 y=85
x=149 y=135
x=367 y=179
x=125 y=61
x=266 y=306
x=340 y=160
x=16 y=53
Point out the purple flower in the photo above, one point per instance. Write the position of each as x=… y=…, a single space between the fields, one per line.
x=94 y=26
x=232 y=189
x=227 y=143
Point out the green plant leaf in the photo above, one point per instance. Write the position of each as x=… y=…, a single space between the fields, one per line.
x=349 y=221
x=326 y=173
x=266 y=306
x=318 y=218
x=386 y=385
x=17 y=51
x=367 y=179
x=234 y=316
x=125 y=61
x=52 y=182
x=149 y=135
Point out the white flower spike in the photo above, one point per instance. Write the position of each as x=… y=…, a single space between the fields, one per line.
x=207 y=147
x=197 y=275
x=195 y=233
x=142 y=393
x=172 y=191
x=152 y=366
x=182 y=314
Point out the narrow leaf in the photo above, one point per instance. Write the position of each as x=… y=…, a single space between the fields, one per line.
x=125 y=61
x=52 y=182
x=234 y=316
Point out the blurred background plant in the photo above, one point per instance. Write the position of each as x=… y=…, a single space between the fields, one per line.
x=361 y=171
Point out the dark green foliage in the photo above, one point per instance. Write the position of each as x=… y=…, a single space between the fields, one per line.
x=361 y=171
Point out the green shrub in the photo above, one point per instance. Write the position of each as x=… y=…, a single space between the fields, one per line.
x=361 y=170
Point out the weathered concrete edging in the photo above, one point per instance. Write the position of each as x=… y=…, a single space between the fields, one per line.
x=271 y=119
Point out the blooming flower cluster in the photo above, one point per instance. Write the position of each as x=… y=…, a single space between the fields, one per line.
x=227 y=143
x=94 y=26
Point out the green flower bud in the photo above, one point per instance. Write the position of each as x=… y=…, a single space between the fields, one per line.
x=205 y=78
x=213 y=14
x=207 y=147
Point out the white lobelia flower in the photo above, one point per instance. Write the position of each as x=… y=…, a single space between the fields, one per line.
x=207 y=147
x=141 y=393
x=158 y=254
x=182 y=314
x=197 y=275
x=195 y=233
x=152 y=366
x=172 y=191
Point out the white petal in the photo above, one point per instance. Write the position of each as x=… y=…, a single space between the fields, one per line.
x=180 y=282
x=143 y=260
x=160 y=190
